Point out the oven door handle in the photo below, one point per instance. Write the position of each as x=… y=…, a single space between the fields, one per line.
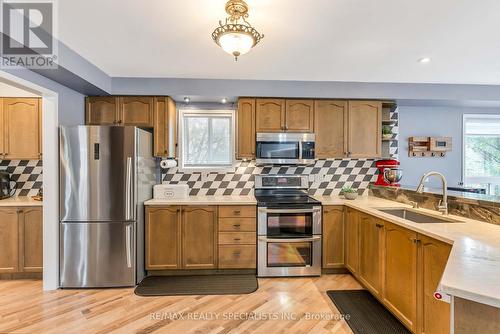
x=264 y=238
x=290 y=210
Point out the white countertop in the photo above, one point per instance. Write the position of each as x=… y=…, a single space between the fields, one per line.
x=473 y=268
x=20 y=201
x=204 y=200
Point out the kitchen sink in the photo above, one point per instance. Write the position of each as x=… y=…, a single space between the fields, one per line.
x=417 y=217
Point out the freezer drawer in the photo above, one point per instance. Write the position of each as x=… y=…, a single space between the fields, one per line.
x=98 y=254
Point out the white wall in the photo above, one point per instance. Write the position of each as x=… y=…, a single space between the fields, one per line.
x=9 y=90
x=434 y=121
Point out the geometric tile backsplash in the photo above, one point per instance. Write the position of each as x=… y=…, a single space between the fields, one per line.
x=326 y=177
x=26 y=173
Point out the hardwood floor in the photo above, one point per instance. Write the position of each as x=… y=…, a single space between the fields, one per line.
x=25 y=308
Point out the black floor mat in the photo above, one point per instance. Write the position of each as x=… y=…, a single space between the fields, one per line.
x=197 y=285
x=366 y=314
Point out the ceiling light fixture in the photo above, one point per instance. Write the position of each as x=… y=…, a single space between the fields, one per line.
x=224 y=100
x=424 y=60
x=187 y=100
x=236 y=36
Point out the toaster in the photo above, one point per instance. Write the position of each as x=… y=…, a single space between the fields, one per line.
x=170 y=191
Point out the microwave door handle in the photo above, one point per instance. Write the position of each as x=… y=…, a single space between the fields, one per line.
x=290 y=210
x=264 y=238
x=300 y=149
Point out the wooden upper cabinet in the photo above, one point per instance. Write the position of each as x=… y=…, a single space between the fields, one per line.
x=400 y=274
x=330 y=127
x=136 y=110
x=333 y=237
x=30 y=240
x=365 y=129
x=199 y=237
x=102 y=110
x=165 y=127
x=270 y=115
x=245 y=119
x=370 y=249
x=22 y=122
x=352 y=240
x=433 y=315
x=163 y=238
x=299 y=116
x=9 y=240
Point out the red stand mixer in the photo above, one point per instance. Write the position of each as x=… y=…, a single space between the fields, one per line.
x=388 y=173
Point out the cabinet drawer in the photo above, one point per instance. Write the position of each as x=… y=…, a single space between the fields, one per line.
x=240 y=256
x=237 y=211
x=237 y=224
x=237 y=238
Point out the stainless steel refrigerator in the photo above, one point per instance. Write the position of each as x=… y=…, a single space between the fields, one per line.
x=106 y=174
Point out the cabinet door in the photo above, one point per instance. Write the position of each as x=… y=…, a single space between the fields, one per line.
x=199 y=237
x=434 y=315
x=330 y=124
x=136 y=110
x=163 y=238
x=9 y=236
x=101 y=110
x=22 y=124
x=400 y=281
x=370 y=249
x=165 y=127
x=245 y=119
x=270 y=115
x=333 y=237
x=352 y=241
x=299 y=116
x=365 y=129
x=30 y=240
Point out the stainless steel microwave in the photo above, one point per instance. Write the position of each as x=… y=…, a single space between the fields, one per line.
x=285 y=148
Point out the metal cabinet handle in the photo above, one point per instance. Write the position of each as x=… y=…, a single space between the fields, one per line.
x=236 y=253
x=236 y=239
x=415 y=240
x=237 y=212
x=236 y=225
x=128 y=244
x=379 y=225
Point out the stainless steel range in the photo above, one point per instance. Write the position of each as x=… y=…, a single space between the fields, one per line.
x=289 y=224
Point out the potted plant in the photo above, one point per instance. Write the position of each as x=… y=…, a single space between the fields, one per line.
x=386 y=132
x=349 y=192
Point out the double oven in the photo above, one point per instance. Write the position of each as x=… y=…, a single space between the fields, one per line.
x=289 y=225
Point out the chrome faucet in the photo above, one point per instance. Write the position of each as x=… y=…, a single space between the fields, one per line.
x=443 y=204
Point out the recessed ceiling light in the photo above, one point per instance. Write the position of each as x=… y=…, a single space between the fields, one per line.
x=187 y=99
x=424 y=60
x=224 y=100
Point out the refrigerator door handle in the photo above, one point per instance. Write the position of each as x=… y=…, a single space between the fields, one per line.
x=128 y=244
x=128 y=189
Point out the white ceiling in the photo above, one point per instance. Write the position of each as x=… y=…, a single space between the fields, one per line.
x=317 y=40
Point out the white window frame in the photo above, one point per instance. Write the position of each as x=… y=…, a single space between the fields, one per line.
x=478 y=179
x=202 y=113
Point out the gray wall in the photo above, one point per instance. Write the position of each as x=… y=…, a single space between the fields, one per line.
x=434 y=121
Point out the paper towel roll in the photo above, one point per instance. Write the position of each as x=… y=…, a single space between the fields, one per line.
x=169 y=163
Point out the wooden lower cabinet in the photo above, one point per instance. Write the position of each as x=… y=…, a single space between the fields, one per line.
x=401 y=268
x=433 y=315
x=9 y=240
x=351 y=241
x=199 y=237
x=237 y=237
x=370 y=253
x=181 y=237
x=163 y=238
x=21 y=240
x=333 y=237
x=400 y=273
x=30 y=240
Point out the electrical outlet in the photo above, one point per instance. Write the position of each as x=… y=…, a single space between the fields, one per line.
x=204 y=177
x=320 y=178
x=312 y=177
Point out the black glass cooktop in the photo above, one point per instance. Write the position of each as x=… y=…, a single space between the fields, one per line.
x=266 y=197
